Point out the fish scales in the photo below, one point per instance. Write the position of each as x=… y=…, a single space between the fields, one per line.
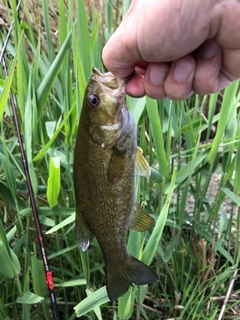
x=101 y=213
x=104 y=182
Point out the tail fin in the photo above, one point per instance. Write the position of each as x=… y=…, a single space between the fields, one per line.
x=133 y=271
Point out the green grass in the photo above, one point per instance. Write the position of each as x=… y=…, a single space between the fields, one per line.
x=194 y=247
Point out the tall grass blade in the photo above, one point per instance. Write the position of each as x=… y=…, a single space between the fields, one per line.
x=83 y=37
x=152 y=244
x=47 y=29
x=156 y=129
x=136 y=107
x=232 y=196
x=30 y=298
x=63 y=223
x=10 y=265
x=94 y=300
x=44 y=150
x=126 y=304
x=38 y=276
x=5 y=94
x=228 y=106
x=46 y=85
x=53 y=183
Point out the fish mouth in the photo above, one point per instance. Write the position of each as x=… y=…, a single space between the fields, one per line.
x=110 y=81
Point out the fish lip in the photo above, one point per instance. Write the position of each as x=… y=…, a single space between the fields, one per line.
x=109 y=80
x=98 y=72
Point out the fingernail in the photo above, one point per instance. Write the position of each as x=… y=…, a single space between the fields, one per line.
x=182 y=70
x=157 y=76
x=209 y=50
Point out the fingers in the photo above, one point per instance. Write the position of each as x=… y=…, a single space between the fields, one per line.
x=178 y=85
x=117 y=67
x=135 y=86
x=149 y=80
x=160 y=80
x=208 y=75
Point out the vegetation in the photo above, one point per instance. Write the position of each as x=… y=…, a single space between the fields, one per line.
x=192 y=192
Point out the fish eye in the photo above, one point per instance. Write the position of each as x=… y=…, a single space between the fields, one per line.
x=93 y=100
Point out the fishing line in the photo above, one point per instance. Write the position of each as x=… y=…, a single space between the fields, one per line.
x=48 y=273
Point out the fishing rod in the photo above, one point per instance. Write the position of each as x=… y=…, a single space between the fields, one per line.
x=48 y=273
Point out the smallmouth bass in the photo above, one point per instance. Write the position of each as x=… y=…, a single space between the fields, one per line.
x=105 y=160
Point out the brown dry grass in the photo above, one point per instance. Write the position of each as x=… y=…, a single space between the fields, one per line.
x=32 y=13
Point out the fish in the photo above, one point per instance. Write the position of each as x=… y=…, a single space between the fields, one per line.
x=106 y=158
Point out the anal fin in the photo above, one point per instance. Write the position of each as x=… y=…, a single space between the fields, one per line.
x=141 y=220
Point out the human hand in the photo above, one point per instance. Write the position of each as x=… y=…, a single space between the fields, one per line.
x=176 y=47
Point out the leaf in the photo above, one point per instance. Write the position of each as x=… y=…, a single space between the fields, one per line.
x=38 y=276
x=83 y=37
x=47 y=221
x=50 y=127
x=125 y=304
x=30 y=125
x=153 y=241
x=136 y=107
x=156 y=129
x=96 y=309
x=189 y=168
x=3 y=238
x=29 y=298
x=45 y=148
x=62 y=224
x=94 y=300
x=53 y=183
x=228 y=104
x=71 y=283
x=4 y=96
x=46 y=85
x=232 y=196
x=170 y=249
x=11 y=234
x=156 y=175
x=9 y=266
x=7 y=196
x=62 y=251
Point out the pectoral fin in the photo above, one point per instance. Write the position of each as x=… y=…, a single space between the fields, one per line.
x=141 y=220
x=116 y=167
x=84 y=235
x=142 y=166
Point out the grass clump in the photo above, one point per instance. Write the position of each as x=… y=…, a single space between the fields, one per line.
x=192 y=192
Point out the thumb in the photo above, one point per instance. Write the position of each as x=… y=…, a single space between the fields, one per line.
x=112 y=59
x=120 y=54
